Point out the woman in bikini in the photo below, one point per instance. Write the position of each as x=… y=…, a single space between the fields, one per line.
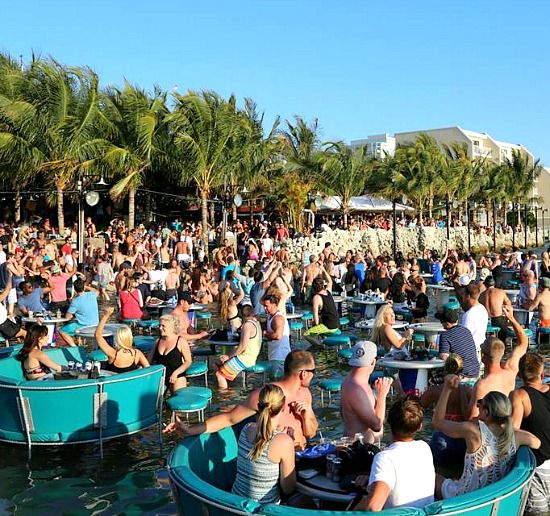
x=34 y=362
x=123 y=357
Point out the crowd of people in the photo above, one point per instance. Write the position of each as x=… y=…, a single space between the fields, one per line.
x=480 y=416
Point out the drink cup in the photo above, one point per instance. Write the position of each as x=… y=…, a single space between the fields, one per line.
x=31 y=313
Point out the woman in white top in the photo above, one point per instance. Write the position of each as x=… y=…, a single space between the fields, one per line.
x=491 y=442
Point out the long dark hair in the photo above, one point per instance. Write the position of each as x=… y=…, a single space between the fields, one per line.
x=36 y=332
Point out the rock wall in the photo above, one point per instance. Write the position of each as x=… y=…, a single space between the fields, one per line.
x=413 y=241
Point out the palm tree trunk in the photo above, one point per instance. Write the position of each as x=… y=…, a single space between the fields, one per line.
x=345 y=219
x=234 y=212
x=60 y=211
x=131 y=208
x=17 y=205
x=204 y=215
x=148 y=208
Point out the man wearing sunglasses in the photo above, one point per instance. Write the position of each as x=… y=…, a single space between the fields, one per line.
x=297 y=417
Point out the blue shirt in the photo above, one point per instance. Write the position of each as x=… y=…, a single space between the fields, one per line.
x=360 y=270
x=33 y=301
x=85 y=310
x=459 y=340
x=437 y=276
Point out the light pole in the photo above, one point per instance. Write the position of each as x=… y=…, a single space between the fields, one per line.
x=91 y=198
x=514 y=226
x=536 y=226
x=525 y=224
x=448 y=217
x=394 y=229
x=468 y=224
x=494 y=227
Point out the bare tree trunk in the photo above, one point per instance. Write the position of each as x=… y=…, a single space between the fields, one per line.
x=430 y=206
x=17 y=206
x=204 y=216
x=346 y=219
x=60 y=211
x=131 y=208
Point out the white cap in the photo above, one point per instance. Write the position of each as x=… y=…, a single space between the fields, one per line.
x=464 y=280
x=364 y=353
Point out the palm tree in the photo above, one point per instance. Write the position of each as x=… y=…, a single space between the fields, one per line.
x=51 y=129
x=204 y=125
x=139 y=140
x=344 y=173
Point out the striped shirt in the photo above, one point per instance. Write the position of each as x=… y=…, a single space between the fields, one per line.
x=259 y=479
x=459 y=340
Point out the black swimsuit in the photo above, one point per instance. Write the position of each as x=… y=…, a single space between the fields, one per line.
x=115 y=369
x=171 y=361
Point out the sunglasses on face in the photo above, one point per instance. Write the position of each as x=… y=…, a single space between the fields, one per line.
x=312 y=371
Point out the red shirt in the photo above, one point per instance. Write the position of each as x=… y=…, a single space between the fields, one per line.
x=66 y=249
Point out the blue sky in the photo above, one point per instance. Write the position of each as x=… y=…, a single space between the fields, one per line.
x=360 y=67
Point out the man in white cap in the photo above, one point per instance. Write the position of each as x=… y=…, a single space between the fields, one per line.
x=361 y=411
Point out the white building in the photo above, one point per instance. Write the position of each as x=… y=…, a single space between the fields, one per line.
x=377 y=145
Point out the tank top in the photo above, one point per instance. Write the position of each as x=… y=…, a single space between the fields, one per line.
x=250 y=354
x=115 y=369
x=259 y=479
x=329 y=315
x=484 y=467
x=129 y=305
x=538 y=421
x=278 y=349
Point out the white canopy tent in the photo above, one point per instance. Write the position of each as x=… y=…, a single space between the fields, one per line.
x=363 y=203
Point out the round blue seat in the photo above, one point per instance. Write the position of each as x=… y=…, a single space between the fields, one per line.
x=187 y=403
x=296 y=325
x=259 y=367
x=418 y=337
x=98 y=356
x=344 y=321
x=345 y=354
x=131 y=321
x=144 y=343
x=203 y=315
x=203 y=392
x=337 y=341
x=198 y=369
x=491 y=328
x=511 y=333
x=452 y=305
x=148 y=324
x=545 y=331
x=329 y=386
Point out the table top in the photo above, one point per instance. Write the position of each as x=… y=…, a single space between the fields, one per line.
x=360 y=301
x=89 y=331
x=368 y=324
x=197 y=306
x=322 y=488
x=43 y=320
x=434 y=363
x=440 y=287
x=427 y=327
x=338 y=299
x=213 y=342
x=102 y=374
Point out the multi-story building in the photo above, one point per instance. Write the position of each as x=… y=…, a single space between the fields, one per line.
x=480 y=145
x=377 y=145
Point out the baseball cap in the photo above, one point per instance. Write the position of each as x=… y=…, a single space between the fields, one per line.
x=185 y=296
x=545 y=282
x=56 y=269
x=363 y=353
x=448 y=315
x=484 y=274
x=464 y=280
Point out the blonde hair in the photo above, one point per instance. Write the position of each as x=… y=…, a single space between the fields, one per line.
x=379 y=322
x=499 y=409
x=174 y=321
x=124 y=338
x=270 y=402
x=225 y=295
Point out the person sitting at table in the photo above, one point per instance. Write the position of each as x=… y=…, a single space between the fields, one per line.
x=325 y=313
x=491 y=441
x=131 y=301
x=542 y=302
x=297 y=416
x=499 y=376
x=421 y=302
x=31 y=298
x=445 y=449
x=265 y=461
x=361 y=411
x=83 y=309
x=123 y=357
x=229 y=312
x=245 y=354
x=34 y=362
x=403 y=474
x=383 y=333
x=172 y=351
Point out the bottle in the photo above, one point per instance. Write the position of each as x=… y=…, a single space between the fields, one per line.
x=359 y=437
x=94 y=372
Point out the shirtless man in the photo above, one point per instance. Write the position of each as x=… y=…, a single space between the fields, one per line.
x=499 y=377
x=181 y=312
x=118 y=257
x=311 y=271
x=542 y=302
x=461 y=267
x=182 y=251
x=172 y=280
x=282 y=255
x=297 y=418
x=493 y=299
x=361 y=411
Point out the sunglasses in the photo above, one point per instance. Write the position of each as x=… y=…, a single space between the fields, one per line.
x=312 y=371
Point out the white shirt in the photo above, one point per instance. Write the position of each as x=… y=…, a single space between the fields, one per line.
x=407 y=469
x=2 y=256
x=476 y=320
x=158 y=277
x=278 y=349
